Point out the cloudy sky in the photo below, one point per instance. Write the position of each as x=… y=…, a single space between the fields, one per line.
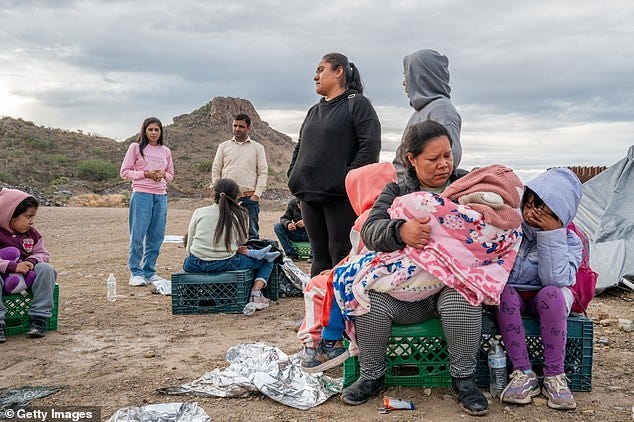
x=538 y=84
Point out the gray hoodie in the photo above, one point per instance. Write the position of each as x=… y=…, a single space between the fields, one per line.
x=552 y=257
x=427 y=85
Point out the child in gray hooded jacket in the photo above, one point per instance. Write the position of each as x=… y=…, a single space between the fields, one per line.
x=539 y=284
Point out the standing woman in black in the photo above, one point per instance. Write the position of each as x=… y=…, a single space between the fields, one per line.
x=341 y=132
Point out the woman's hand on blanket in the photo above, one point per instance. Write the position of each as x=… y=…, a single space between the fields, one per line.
x=415 y=233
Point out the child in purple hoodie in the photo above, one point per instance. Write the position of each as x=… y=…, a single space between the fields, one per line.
x=17 y=211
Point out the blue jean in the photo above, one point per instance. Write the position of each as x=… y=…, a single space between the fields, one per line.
x=42 y=289
x=263 y=267
x=287 y=236
x=147 y=219
x=253 y=208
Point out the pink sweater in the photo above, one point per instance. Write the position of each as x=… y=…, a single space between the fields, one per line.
x=157 y=157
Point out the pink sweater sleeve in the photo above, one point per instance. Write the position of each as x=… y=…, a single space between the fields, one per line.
x=129 y=171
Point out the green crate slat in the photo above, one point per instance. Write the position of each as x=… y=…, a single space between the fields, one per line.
x=226 y=292
x=302 y=249
x=417 y=354
x=17 y=319
x=578 y=360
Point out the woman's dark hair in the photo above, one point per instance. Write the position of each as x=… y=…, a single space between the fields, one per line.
x=352 y=78
x=418 y=136
x=142 y=137
x=232 y=215
x=23 y=206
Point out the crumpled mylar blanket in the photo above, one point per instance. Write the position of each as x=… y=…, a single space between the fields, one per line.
x=13 y=398
x=259 y=367
x=172 y=412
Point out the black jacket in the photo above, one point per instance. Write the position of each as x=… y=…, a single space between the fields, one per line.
x=336 y=136
x=292 y=214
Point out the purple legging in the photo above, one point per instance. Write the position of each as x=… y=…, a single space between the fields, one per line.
x=549 y=305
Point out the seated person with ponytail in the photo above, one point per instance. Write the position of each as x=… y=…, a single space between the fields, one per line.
x=214 y=237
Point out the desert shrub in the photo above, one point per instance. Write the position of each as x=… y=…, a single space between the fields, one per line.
x=7 y=178
x=204 y=165
x=97 y=170
x=37 y=143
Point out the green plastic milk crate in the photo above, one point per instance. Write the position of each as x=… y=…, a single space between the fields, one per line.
x=417 y=354
x=17 y=319
x=302 y=249
x=226 y=292
x=578 y=361
x=416 y=357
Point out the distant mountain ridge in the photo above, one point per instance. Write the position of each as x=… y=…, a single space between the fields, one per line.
x=47 y=159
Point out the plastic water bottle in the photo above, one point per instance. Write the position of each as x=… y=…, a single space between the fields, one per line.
x=111 y=285
x=249 y=309
x=497 y=368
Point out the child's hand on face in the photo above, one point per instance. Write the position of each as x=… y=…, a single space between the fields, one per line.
x=543 y=220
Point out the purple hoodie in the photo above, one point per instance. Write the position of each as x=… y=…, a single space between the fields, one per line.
x=30 y=244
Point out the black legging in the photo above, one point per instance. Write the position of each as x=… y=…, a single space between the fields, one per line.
x=328 y=226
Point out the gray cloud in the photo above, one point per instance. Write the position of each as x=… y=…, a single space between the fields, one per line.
x=520 y=72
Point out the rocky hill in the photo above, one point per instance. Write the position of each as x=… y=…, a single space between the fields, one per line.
x=59 y=163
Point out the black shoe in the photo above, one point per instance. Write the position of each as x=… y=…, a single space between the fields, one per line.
x=2 y=336
x=361 y=391
x=470 y=397
x=38 y=328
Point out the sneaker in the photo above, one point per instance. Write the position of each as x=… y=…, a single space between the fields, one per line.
x=38 y=328
x=469 y=396
x=3 y=338
x=137 y=280
x=260 y=301
x=522 y=388
x=558 y=394
x=361 y=391
x=328 y=354
x=161 y=286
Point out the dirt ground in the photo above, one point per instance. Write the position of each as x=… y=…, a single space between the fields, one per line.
x=117 y=354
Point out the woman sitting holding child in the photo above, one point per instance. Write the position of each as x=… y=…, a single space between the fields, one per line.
x=427 y=152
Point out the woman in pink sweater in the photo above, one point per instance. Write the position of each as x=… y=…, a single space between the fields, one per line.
x=148 y=163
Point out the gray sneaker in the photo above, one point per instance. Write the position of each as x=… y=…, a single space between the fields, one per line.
x=558 y=394
x=521 y=389
x=327 y=355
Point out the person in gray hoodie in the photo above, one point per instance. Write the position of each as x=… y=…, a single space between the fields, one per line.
x=427 y=86
x=539 y=284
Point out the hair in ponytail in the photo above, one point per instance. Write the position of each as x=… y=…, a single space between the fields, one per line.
x=233 y=218
x=352 y=78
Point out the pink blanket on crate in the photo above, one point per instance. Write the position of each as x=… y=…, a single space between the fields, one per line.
x=463 y=252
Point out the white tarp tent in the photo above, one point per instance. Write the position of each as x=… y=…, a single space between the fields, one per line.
x=606 y=215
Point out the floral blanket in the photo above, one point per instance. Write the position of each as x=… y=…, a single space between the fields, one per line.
x=463 y=252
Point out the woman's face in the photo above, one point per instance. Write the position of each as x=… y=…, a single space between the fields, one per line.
x=153 y=133
x=328 y=80
x=434 y=164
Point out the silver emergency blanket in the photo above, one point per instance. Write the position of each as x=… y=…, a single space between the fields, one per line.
x=606 y=215
x=171 y=412
x=259 y=367
x=20 y=397
x=299 y=278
